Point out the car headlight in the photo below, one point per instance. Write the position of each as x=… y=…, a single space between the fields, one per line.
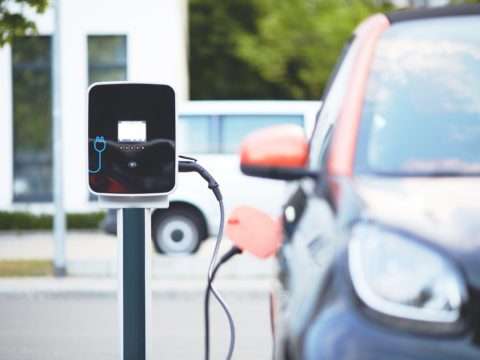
x=404 y=278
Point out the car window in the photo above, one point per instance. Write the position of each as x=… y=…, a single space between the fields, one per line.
x=422 y=108
x=234 y=128
x=332 y=103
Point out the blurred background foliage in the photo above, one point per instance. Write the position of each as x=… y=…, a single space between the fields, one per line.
x=271 y=49
x=23 y=220
x=13 y=22
x=251 y=49
x=216 y=69
x=298 y=42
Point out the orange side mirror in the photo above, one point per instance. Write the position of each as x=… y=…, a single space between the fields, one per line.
x=279 y=152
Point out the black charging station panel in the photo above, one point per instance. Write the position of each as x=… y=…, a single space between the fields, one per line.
x=131 y=139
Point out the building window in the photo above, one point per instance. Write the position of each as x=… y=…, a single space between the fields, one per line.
x=107 y=58
x=32 y=134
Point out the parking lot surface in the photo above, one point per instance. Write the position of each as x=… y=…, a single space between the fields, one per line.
x=85 y=327
x=76 y=317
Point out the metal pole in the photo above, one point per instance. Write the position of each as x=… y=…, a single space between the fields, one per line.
x=134 y=276
x=59 y=217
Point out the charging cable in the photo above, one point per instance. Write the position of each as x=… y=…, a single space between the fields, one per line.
x=99 y=145
x=227 y=256
x=190 y=165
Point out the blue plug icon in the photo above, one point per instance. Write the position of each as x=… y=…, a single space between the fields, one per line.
x=99 y=145
x=99 y=140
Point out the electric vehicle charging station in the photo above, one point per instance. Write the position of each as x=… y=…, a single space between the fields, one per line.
x=132 y=167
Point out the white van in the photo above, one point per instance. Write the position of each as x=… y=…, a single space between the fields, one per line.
x=211 y=132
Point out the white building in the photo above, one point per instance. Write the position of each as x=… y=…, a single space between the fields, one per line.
x=101 y=40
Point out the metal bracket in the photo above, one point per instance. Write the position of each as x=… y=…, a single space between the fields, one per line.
x=129 y=202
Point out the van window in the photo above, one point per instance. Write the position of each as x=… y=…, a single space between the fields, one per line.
x=213 y=134
x=234 y=128
x=194 y=135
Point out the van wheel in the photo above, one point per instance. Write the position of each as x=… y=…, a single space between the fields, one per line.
x=177 y=231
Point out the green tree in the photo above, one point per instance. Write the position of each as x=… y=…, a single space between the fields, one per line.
x=279 y=49
x=13 y=22
x=216 y=70
x=299 y=41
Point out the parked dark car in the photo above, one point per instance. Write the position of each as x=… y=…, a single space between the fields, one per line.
x=380 y=257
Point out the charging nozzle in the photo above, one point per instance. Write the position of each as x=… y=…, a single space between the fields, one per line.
x=254 y=231
x=191 y=165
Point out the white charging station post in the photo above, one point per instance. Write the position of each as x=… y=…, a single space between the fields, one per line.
x=132 y=168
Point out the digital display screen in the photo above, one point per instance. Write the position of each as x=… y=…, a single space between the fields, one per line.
x=132 y=131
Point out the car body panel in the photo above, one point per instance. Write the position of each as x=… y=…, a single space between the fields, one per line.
x=317 y=314
x=417 y=207
x=342 y=156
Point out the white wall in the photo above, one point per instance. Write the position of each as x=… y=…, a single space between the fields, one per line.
x=6 y=128
x=156 y=52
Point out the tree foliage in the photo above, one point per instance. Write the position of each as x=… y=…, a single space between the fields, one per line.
x=216 y=70
x=14 y=22
x=298 y=41
x=282 y=49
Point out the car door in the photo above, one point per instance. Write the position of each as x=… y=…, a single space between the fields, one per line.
x=309 y=223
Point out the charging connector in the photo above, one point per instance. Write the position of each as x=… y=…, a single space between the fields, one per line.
x=191 y=165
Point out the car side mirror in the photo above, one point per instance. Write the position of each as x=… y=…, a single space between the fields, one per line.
x=279 y=152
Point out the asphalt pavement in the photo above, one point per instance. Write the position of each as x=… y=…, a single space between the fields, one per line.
x=75 y=317
x=85 y=327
